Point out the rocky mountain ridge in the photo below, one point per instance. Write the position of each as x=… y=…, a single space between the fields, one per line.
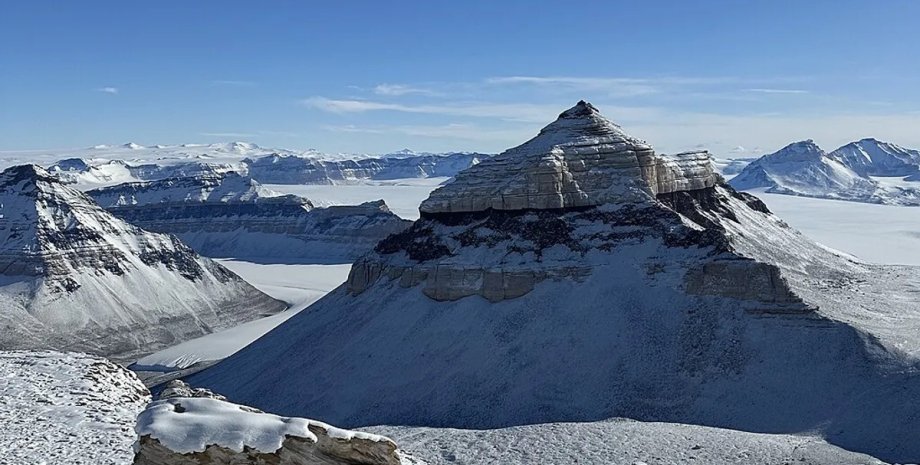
x=804 y=169
x=231 y=215
x=76 y=277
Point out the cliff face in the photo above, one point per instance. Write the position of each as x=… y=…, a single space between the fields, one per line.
x=76 y=277
x=232 y=215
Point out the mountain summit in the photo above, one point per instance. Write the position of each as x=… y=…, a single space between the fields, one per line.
x=803 y=168
x=581 y=276
x=74 y=277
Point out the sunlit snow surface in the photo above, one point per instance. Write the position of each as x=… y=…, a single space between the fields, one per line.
x=298 y=285
x=66 y=409
x=874 y=233
x=614 y=442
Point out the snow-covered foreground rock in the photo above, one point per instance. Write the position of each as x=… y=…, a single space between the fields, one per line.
x=74 y=277
x=614 y=442
x=803 y=169
x=187 y=427
x=231 y=215
x=67 y=408
x=546 y=294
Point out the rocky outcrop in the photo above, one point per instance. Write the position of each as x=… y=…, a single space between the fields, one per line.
x=190 y=426
x=232 y=215
x=86 y=280
x=293 y=169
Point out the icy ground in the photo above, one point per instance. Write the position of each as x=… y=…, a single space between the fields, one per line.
x=72 y=409
x=298 y=285
x=874 y=233
x=403 y=196
x=614 y=442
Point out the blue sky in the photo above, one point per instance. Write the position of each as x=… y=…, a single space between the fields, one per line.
x=372 y=76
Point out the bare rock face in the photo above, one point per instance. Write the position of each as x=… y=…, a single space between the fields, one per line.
x=179 y=388
x=203 y=429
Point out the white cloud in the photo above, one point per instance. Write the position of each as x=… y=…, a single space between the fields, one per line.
x=507 y=111
x=453 y=131
x=107 y=90
x=778 y=91
x=396 y=90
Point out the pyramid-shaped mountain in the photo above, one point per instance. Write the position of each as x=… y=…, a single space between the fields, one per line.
x=581 y=276
x=74 y=277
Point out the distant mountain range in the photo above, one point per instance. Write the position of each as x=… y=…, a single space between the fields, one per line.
x=231 y=215
x=108 y=165
x=867 y=170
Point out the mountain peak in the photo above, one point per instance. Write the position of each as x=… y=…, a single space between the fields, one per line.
x=579 y=160
x=29 y=173
x=580 y=110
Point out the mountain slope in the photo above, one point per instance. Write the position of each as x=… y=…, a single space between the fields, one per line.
x=872 y=157
x=75 y=277
x=580 y=277
x=802 y=168
x=231 y=215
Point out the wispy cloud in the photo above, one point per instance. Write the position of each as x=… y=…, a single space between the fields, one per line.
x=454 y=131
x=232 y=83
x=401 y=89
x=505 y=111
x=778 y=91
x=107 y=90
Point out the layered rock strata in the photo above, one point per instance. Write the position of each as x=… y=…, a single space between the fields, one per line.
x=76 y=277
x=232 y=215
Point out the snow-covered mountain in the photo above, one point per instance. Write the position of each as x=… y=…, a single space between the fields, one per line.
x=580 y=277
x=802 y=168
x=872 y=157
x=106 y=165
x=231 y=215
x=290 y=169
x=74 y=277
